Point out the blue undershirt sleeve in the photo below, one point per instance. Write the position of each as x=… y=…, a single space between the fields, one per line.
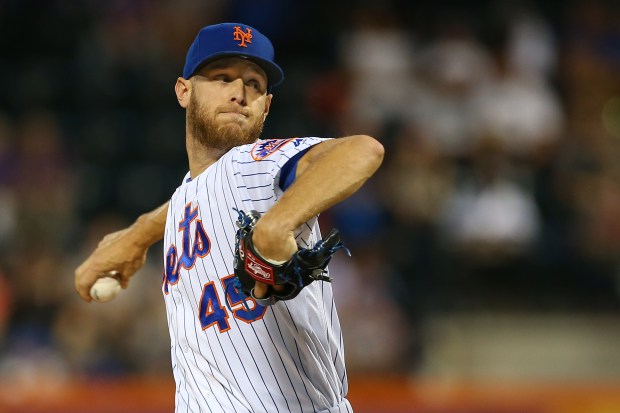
x=289 y=170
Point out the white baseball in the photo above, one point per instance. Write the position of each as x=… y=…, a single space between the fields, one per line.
x=105 y=289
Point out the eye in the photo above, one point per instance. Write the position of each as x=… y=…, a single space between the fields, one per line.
x=253 y=83
x=222 y=78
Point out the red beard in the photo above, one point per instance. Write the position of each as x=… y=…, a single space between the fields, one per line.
x=206 y=130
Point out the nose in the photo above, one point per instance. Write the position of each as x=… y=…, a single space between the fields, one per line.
x=237 y=94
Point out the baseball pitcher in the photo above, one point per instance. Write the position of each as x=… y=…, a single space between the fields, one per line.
x=252 y=319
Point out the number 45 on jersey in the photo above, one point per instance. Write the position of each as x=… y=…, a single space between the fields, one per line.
x=211 y=311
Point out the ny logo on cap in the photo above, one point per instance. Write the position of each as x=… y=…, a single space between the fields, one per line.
x=243 y=37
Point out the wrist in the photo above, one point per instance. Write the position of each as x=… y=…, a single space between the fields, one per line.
x=267 y=232
x=145 y=232
x=274 y=223
x=273 y=241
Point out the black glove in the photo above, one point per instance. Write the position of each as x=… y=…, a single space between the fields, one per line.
x=304 y=267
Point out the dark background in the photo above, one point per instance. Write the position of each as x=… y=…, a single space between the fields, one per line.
x=499 y=193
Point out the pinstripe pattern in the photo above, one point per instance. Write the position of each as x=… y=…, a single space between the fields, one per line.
x=288 y=358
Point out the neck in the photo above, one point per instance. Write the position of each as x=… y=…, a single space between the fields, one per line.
x=200 y=157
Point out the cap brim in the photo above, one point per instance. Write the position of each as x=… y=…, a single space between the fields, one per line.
x=275 y=74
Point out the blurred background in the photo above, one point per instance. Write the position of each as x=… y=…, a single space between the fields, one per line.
x=485 y=274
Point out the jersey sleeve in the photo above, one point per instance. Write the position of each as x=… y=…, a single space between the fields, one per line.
x=267 y=167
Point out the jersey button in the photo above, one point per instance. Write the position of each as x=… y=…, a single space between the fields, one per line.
x=185 y=348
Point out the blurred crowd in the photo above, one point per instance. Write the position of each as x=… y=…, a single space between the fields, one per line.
x=500 y=187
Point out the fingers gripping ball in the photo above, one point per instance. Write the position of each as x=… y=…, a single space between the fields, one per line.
x=105 y=288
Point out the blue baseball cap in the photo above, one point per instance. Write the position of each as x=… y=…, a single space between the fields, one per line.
x=228 y=40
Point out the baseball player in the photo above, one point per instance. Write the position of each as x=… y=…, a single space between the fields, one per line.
x=233 y=352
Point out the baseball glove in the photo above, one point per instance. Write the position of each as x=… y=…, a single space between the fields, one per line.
x=304 y=267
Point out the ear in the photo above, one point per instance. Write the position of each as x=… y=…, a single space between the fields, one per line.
x=267 y=105
x=183 y=90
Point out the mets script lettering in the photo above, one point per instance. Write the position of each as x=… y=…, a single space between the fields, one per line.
x=190 y=251
x=241 y=36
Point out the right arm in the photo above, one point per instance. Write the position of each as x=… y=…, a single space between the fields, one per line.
x=123 y=251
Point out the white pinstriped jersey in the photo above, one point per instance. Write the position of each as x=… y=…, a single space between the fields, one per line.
x=284 y=358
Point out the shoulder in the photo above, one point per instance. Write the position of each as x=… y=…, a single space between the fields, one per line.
x=268 y=149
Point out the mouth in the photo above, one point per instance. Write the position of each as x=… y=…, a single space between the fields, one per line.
x=233 y=118
x=235 y=113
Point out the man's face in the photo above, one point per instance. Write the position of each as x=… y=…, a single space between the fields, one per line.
x=228 y=103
